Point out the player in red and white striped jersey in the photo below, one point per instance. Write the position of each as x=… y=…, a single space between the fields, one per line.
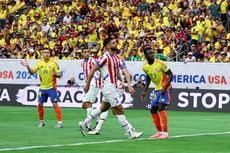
x=87 y=65
x=109 y=65
x=95 y=85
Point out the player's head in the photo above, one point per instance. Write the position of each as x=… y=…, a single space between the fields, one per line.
x=85 y=53
x=110 y=44
x=149 y=54
x=46 y=53
x=94 y=51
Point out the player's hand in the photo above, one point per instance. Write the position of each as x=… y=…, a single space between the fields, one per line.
x=131 y=90
x=24 y=63
x=143 y=96
x=163 y=91
x=86 y=88
x=122 y=85
x=56 y=75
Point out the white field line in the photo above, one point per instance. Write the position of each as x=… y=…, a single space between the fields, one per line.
x=109 y=141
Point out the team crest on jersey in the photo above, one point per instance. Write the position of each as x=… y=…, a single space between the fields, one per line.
x=156 y=69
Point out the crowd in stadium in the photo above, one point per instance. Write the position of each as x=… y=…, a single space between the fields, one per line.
x=177 y=30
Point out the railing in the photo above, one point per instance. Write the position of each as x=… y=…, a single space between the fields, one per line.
x=180 y=51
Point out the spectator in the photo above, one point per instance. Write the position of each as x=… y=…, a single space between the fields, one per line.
x=134 y=56
x=223 y=10
x=45 y=26
x=224 y=58
x=66 y=26
x=139 y=83
x=72 y=83
x=195 y=9
x=67 y=19
x=215 y=57
x=159 y=55
x=195 y=51
x=215 y=9
x=190 y=58
x=2 y=53
x=143 y=6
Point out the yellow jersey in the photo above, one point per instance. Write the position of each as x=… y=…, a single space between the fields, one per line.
x=46 y=73
x=157 y=74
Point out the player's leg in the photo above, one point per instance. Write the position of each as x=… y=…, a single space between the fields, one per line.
x=102 y=118
x=163 y=120
x=42 y=97
x=89 y=99
x=96 y=112
x=130 y=125
x=53 y=97
x=88 y=107
x=163 y=103
x=154 y=112
x=119 y=112
x=156 y=121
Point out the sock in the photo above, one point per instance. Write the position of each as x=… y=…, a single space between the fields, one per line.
x=92 y=116
x=130 y=126
x=164 y=121
x=124 y=123
x=101 y=120
x=89 y=110
x=156 y=121
x=57 y=110
x=41 y=112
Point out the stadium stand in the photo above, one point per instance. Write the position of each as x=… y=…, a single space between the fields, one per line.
x=177 y=30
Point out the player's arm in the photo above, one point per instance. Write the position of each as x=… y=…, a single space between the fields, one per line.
x=121 y=81
x=119 y=77
x=26 y=64
x=57 y=71
x=91 y=74
x=147 y=83
x=57 y=75
x=127 y=76
x=169 y=80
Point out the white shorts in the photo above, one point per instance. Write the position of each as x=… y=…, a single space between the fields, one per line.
x=91 y=95
x=111 y=95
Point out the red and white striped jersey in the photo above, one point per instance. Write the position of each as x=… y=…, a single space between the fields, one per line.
x=109 y=67
x=87 y=66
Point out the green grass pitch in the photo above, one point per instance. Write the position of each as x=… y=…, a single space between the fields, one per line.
x=18 y=128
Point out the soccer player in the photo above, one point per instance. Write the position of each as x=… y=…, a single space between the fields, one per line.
x=95 y=86
x=48 y=72
x=109 y=65
x=160 y=74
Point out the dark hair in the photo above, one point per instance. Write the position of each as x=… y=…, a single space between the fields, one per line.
x=45 y=48
x=107 y=41
x=147 y=48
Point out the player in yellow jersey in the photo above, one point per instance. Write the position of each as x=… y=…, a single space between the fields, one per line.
x=160 y=74
x=48 y=72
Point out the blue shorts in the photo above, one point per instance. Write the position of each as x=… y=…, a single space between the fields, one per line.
x=44 y=94
x=157 y=98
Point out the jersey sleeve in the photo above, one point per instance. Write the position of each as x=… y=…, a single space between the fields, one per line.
x=164 y=66
x=36 y=67
x=101 y=61
x=122 y=64
x=56 y=68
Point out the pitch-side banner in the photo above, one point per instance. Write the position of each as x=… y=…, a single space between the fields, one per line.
x=27 y=95
x=186 y=75
x=182 y=99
